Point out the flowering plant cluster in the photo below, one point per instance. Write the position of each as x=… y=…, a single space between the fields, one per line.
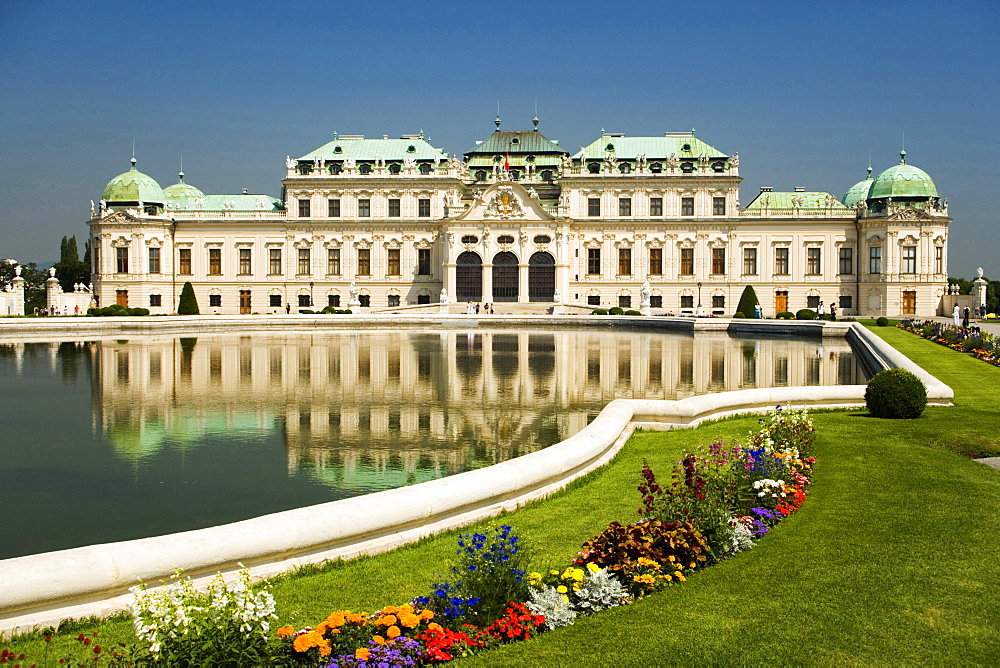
x=982 y=345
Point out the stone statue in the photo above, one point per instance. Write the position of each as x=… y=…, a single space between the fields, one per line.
x=557 y=296
x=92 y=211
x=979 y=272
x=17 y=271
x=353 y=292
x=319 y=164
x=349 y=164
x=104 y=206
x=532 y=193
x=673 y=160
x=289 y=163
x=644 y=293
x=443 y=299
x=734 y=161
x=52 y=272
x=409 y=163
x=567 y=163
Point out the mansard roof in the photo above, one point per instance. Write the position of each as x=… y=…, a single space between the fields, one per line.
x=237 y=202
x=359 y=148
x=514 y=142
x=808 y=200
x=681 y=144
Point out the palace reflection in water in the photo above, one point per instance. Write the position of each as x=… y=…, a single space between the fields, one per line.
x=191 y=432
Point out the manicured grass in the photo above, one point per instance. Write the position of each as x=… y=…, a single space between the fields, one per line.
x=892 y=559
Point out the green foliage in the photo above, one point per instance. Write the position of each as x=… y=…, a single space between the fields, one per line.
x=70 y=270
x=805 y=314
x=600 y=311
x=895 y=394
x=748 y=303
x=618 y=547
x=739 y=314
x=335 y=311
x=964 y=286
x=882 y=321
x=785 y=315
x=993 y=297
x=616 y=310
x=632 y=312
x=188 y=304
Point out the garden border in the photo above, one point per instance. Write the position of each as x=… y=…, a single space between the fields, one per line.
x=43 y=589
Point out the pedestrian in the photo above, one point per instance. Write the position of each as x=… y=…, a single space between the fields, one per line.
x=956 y=316
x=819 y=311
x=477 y=308
x=288 y=308
x=76 y=310
x=965 y=320
x=491 y=310
x=833 y=311
x=757 y=312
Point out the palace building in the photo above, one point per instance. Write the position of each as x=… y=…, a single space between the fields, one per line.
x=647 y=223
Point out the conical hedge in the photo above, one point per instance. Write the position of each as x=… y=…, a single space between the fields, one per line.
x=189 y=303
x=748 y=302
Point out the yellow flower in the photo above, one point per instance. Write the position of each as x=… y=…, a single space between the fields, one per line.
x=561 y=589
x=645 y=561
x=681 y=578
x=553 y=572
x=362 y=654
x=434 y=626
x=593 y=568
x=672 y=558
x=667 y=577
x=565 y=599
x=386 y=620
x=379 y=640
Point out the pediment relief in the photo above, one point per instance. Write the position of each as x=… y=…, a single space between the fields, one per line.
x=423 y=243
x=908 y=240
x=655 y=242
x=303 y=243
x=154 y=242
x=909 y=213
x=363 y=243
x=506 y=201
x=120 y=218
x=623 y=243
x=594 y=242
x=685 y=243
x=939 y=240
x=120 y=241
x=393 y=243
x=718 y=242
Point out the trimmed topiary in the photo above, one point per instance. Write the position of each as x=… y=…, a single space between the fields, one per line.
x=188 y=304
x=616 y=310
x=895 y=394
x=632 y=312
x=600 y=311
x=747 y=308
x=882 y=321
x=805 y=314
x=785 y=315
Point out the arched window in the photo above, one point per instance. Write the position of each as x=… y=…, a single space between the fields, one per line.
x=424 y=168
x=481 y=175
x=624 y=168
x=365 y=168
x=394 y=168
x=656 y=167
x=546 y=175
x=594 y=168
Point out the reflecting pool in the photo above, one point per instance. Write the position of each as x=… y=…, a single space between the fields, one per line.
x=110 y=440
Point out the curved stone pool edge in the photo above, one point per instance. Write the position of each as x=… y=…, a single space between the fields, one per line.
x=41 y=590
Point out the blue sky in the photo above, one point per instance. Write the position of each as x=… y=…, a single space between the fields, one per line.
x=803 y=91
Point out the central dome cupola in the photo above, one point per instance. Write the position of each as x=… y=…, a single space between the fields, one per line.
x=132 y=188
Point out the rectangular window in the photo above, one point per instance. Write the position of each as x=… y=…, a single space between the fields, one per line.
x=215 y=261
x=593 y=261
x=155 y=300
x=303 y=208
x=687 y=262
x=875 y=260
x=304 y=261
x=594 y=206
x=718 y=260
x=333 y=208
x=813 y=261
x=333 y=261
x=656 y=301
x=624 y=301
x=184 y=261
x=909 y=259
x=274 y=300
x=154 y=260
x=656 y=261
x=304 y=301
x=624 y=261
x=215 y=300
x=939 y=259
x=655 y=206
x=846 y=302
x=423 y=299
x=364 y=208
x=393 y=262
x=364 y=300
x=244 y=262
x=718 y=206
x=624 y=206
x=593 y=300
x=121 y=260
x=424 y=208
x=333 y=300
x=718 y=301
x=364 y=262
x=687 y=206
x=781 y=261
x=749 y=261
x=394 y=208
x=393 y=300
x=424 y=261
x=274 y=262
x=812 y=301
x=687 y=301
x=846 y=260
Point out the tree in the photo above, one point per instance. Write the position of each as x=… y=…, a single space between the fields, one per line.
x=993 y=297
x=188 y=303
x=70 y=270
x=748 y=303
x=964 y=286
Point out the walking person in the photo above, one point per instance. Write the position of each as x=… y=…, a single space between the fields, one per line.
x=819 y=311
x=833 y=311
x=956 y=316
x=965 y=320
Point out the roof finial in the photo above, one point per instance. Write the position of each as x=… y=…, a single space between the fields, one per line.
x=535 y=119
x=902 y=150
x=869 y=164
x=133 y=152
x=497 y=121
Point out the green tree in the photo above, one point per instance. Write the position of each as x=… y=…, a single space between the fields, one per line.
x=69 y=269
x=748 y=302
x=188 y=303
x=964 y=286
x=993 y=297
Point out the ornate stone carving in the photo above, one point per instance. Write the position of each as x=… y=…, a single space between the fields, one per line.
x=504 y=205
x=909 y=213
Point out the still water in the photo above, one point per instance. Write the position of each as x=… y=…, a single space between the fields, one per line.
x=110 y=440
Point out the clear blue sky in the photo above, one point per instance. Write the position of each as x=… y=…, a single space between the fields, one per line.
x=802 y=90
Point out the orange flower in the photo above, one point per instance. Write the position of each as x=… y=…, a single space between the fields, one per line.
x=335 y=620
x=409 y=620
x=393 y=632
x=379 y=640
x=434 y=626
x=285 y=631
x=362 y=654
x=427 y=614
x=386 y=620
x=356 y=617
x=307 y=641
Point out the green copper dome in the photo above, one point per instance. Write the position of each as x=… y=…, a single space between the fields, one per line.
x=133 y=186
x=902 y=180
x=858 y=191
x=181 y=190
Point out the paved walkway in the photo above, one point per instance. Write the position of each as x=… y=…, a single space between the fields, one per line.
x=991 y=327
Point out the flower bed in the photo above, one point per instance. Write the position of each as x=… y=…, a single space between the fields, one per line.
x=982 y=345
x=718 y=501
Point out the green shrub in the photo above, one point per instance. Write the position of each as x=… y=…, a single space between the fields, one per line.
x=895 y=394
x=882 y=321
x=805 y=314
x=600 y=311
x=748 y=303
x=618 y=548
x=138 y=311
x=188 y=304
x=632 y=312
x=616 y=310
x=785 y=315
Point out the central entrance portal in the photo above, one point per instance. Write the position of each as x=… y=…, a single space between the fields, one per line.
x=541 y=277
x=469 y=277
x=505 y=277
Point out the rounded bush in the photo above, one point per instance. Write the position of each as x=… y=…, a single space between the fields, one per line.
x=785 y=315
x=895 y=394
x=882 y=321
x=632 y=312
x=616 y=310
x=805 y=314
x=739 y=314
x=600 y=311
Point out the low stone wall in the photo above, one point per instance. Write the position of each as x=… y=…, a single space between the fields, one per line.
x=40 y=590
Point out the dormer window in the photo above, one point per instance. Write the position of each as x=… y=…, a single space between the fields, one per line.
x=335 y=168
x=424 y=168
x=530 y=158
x=624 y=168
x=610 y=148
x=411 y=149
x=394 y=168
x=686 y=147
x=337 y=149
x=656 y=167
x=365 y=168
x=594 y=168
x=481 y=175
x=687 y=167
x=515 y=140
x=718 y=167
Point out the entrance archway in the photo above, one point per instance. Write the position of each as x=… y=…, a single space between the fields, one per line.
x=469 y=277
x=505 y=277
x=541 y=277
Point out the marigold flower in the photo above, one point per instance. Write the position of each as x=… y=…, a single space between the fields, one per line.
x=386 y=620
x=357 y=618
x=285 y=631
x=379 y=640
x=409 y=620
x=336 y=620
x=426 y=614
x=362 y=654
x=393 y=632
x=434 y=626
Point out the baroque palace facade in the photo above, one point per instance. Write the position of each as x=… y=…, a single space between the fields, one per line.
x=382 y=224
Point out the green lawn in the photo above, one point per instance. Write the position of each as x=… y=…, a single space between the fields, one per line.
x=892 y=559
